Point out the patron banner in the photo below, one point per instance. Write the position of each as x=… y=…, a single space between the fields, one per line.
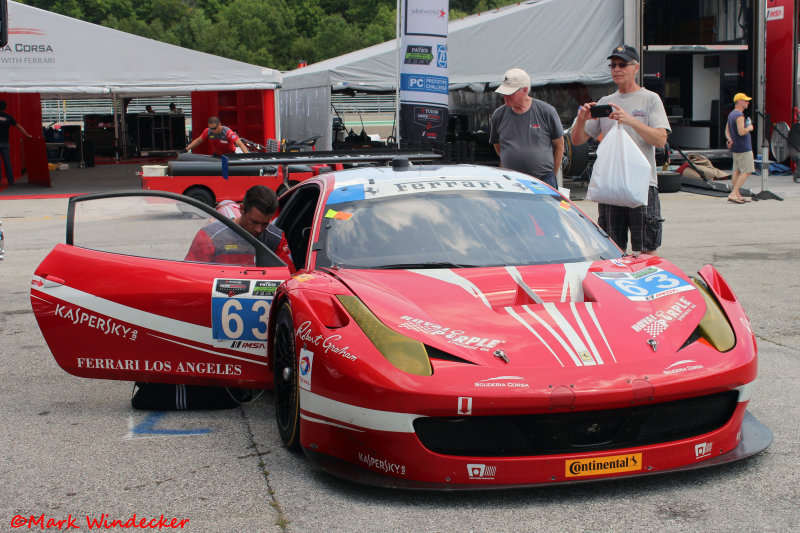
x=423 y=72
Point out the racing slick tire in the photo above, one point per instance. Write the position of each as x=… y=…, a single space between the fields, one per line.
x=200 y=194
x=287 y=389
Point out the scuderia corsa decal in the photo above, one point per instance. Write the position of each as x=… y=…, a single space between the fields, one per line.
x=240 y=309
x=598 y=466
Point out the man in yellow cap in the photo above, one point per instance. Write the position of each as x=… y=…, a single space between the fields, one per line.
x=737 y=131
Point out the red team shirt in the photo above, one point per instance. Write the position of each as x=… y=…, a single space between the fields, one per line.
x=222 y=143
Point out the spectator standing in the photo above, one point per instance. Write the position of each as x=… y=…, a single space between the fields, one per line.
x=6 y=121
x=641 y=113
x=223 y=139
x=526 y=132
x=737 y=132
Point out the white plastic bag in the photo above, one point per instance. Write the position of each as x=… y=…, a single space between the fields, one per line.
x=621 y=174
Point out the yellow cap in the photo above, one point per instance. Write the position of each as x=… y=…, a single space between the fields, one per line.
x=741 y=96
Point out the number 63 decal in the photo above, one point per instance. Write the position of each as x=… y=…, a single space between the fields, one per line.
x=645 y=286
x=241 y=314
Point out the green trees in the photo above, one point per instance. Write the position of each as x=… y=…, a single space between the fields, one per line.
x=271 y=33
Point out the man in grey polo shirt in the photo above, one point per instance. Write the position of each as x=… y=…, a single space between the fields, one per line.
x=527 y=133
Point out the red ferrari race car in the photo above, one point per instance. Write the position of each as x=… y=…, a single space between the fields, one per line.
x=447 y=327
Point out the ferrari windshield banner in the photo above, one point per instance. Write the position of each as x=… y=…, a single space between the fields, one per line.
x=423 y=72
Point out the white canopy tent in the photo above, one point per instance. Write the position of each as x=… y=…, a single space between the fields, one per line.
x=62 y=57
x=555 y=41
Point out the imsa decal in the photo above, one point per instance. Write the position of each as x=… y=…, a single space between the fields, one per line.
x=603 y=465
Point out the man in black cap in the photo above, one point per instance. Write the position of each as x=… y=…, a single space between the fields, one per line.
x=642 y=115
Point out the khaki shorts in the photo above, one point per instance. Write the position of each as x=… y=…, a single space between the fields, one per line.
x=743 y=162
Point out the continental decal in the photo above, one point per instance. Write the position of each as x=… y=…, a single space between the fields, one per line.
x=599 y=466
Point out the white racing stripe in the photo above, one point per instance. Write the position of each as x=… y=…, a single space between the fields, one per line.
x=572 y=336
x=451 y=277
x=561 y=341
x=141 y=319
x=586 y=335
x=517 y=277
x=329 y=423
x=574 y=275
x=746 y=391
x=602 y=333
x=522 y=321
x=357 y=416
x=192 y=346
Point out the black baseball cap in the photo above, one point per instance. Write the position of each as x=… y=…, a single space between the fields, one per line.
x=623 y=51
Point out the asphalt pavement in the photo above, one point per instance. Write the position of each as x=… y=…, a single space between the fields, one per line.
x=72 y=449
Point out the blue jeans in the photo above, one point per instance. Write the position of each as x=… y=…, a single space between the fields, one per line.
x=550 y=179
x=5 y=155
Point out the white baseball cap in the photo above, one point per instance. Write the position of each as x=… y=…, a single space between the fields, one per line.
x=514 y=80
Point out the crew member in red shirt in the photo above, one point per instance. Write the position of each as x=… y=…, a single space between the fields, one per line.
x=216 y=243
x=223 y=139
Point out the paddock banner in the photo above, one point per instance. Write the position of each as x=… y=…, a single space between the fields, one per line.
x=423 y=72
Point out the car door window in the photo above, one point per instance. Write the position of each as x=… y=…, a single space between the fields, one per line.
x=297 y=220
x=159 y=228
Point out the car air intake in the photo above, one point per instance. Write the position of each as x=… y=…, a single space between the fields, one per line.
x=585 y=431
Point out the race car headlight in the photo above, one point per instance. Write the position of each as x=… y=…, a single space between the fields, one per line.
x=406 y=354
x=714 y=327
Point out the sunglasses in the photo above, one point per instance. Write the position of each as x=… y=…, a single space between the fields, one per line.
x=620 y=64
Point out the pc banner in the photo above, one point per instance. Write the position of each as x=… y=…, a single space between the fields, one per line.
x=423 y=72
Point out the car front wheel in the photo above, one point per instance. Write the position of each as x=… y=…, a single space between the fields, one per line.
x=287 y=397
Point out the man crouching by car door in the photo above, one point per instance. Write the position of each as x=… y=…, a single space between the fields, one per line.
x=216 y=243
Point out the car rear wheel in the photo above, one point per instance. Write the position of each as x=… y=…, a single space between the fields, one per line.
x=201 y=195
x=287 y=397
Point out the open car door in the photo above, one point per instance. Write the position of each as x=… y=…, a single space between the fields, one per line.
x=120 y=300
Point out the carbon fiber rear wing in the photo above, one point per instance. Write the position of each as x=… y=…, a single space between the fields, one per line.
x=345 y=157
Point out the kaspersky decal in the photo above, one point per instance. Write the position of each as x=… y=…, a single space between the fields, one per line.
x=106 y=325
x=382 y=465
x=596 y=466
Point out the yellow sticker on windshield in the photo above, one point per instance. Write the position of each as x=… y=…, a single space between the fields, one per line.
x=339 y=215
x=564 y=205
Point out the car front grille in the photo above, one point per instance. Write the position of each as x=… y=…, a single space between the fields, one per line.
x=585 y=431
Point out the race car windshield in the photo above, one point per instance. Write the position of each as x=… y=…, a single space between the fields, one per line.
x=459 y=229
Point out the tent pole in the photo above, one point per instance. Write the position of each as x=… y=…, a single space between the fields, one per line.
x=397 y=80
x=115 y=114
